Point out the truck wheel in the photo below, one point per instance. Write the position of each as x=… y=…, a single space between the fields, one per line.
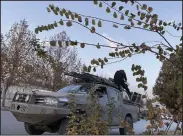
x=32 y=130
x=124 y=131
x=63 y=126
x=130 y=121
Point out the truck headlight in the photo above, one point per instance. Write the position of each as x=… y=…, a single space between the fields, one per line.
x=50 y=101
x=63 y=100
x=27 y=98
x=17 y=97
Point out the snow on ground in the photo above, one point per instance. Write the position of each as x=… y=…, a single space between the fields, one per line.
x=9 y=125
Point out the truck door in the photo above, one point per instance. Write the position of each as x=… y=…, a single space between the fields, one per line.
x=114 y=97
x=102 y=97
x=128 y=107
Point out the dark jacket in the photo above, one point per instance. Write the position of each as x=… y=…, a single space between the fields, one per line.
x=120 y=77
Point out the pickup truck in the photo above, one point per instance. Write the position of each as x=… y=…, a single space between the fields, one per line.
x=48 y=111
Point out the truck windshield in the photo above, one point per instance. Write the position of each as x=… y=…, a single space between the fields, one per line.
x=74 y=89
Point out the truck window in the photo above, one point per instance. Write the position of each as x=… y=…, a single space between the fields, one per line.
x=112 y=94
x=125 y=96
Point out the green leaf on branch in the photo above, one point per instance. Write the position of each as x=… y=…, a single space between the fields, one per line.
x=55 y=12
x=99 y=23
x=108 y=10
x=72 y=16
x=144 y=7
x=51 y=6
x=145 y=26
x=57 y=9
x=115 y=15
x=94 y=69
x=132 y=24
x=133 y=15
x=61 y=13
x=95 y=2
x=122 y=17
x=147 y=20
x=82 y=45
x=137 y=7
x=48 y=9
x=164 y=23
x=130 y=20
x=98 y=46
x=89 y=68
x=67 y=43
x=86 y=21
x=79 y=19
x=169 y=49
x=60 y=43
x=140 y=85
x=67 y=15
x=145 y=88
x=64 y=11
x=129 y=55
x=53 y=43
x=114 y=25
x=55 y=24
x=121 y=8
x=127 y=27
x=85 y=68
x=36 y=30
x=76 y=15
x=113 y=4
x=117 y=54
x=142 y=16
x=126 y=12
x=163 y=32
x=137 y=79
x=93 y=21
x=138 y=13
x=61 y=22
x=139 y=23
x=105 y=59
x=100 y=4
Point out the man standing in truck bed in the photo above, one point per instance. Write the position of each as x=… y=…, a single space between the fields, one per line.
x=120 y=79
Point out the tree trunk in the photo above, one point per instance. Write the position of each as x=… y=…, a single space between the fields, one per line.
x=4 y=96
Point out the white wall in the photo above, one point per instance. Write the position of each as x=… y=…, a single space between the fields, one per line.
x=13 y=89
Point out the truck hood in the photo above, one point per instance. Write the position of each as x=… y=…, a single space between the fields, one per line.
x=79 y=98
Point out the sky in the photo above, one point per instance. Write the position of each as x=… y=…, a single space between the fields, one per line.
x=36 y=14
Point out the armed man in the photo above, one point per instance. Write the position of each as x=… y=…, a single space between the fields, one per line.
x=120 y=79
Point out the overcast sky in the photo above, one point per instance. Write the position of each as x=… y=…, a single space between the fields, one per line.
x=35 y=13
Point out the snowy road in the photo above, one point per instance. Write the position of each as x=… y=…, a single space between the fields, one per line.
x=9 y=125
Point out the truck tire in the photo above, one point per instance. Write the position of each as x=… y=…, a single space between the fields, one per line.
x=63 y=126
x=32 y=130
x=124 y=131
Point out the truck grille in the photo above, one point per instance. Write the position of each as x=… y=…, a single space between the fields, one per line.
x=39 y=100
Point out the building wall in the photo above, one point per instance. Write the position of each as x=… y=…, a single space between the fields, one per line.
x=13 y=89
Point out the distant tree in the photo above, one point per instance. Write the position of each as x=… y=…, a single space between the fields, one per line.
x=167 y=86
x=14 y=52
x=61 y=59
